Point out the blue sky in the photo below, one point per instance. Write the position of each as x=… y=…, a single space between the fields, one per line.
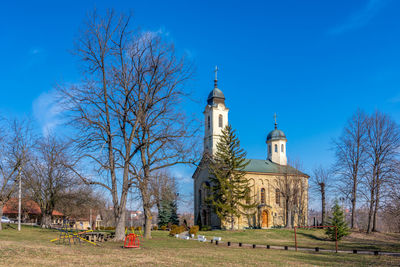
x=312 y=62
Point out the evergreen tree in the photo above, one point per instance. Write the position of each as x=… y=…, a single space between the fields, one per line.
x=164 y=214
x=337 y=219
x=174 y=219
x=229 y=188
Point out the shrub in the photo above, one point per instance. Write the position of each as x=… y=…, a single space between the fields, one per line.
x=155 y=227
x=138 y=228
x=174 y=226
x=206 y=228
x=109 y=228
x=176 y=230
x=163 y=227
x=193 y=230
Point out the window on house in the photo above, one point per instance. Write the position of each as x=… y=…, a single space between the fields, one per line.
x=209 y=122
x=282 y=148
x=276 y=148
x=220 y=121
x=277 y=196
x=262 y=196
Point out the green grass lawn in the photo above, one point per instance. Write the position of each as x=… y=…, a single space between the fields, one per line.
x=31 y=247
x=310 y=239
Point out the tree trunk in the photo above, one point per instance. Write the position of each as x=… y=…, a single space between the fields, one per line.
x=374 y=220
x=120 y=224
x=1 y=214
x=323 y=204
x=353 y=205
x=45 y=222
x=288 y=215
x=147 y=220
x=371 y=209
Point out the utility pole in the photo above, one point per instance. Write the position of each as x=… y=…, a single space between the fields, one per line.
x=90 y=218
x=19 y=198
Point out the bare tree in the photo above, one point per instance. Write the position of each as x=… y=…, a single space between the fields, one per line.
x=77 y=200
x=350 y=150
x=163 y=187
x=15 y=143
x=163 y=134
x=294 y=189
x=126 y=110
x=48 y=176
x=383 y=142
x=320 y=182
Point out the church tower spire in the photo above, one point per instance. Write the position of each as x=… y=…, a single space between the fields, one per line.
x=216 y=77
x=216 y=117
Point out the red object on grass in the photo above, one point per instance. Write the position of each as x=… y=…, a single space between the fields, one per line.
x=132 y=241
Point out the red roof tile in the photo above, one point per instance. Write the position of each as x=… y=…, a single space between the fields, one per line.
x=29 y=206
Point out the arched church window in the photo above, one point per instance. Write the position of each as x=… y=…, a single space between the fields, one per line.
x=200 y=197
x=269 y=149
x=209 y=122
x=277 y=196
x=282 y=148
x=247 y=196
x=262 y=196
x=220 y=121
x=276 y=148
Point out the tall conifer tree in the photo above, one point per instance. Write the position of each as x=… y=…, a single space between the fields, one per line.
x=337 y=219
x=229 y=188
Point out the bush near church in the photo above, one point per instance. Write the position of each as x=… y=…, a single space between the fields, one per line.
x=194 y=230
x=206 y=228
x=176 y=230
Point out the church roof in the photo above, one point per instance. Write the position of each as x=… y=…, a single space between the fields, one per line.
x=276 y=135
x=215 y=93
x=267 y=166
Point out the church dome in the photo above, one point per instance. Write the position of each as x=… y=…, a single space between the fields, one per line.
x=215 y=94
x=276 y=135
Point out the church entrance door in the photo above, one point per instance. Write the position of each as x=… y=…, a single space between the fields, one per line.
x=264 y=219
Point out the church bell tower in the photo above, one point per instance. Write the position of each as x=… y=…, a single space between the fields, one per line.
x=276 y=142
x=215 y=118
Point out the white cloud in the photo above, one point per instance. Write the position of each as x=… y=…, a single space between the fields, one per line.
x=47 y=112
x=360 y=18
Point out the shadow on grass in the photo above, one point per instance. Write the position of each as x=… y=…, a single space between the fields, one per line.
x=311 y=236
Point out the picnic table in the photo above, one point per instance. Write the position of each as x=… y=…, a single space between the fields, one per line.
x=96 y=236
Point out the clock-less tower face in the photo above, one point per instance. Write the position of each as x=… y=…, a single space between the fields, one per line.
x=215 y=119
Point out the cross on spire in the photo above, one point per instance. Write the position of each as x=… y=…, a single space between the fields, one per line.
x=216 y=77
x=276 y=124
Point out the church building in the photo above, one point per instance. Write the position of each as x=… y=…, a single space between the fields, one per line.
x=279 y=190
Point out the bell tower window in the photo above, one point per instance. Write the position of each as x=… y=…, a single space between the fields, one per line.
x=208 y=122
x=220 y=121
x=282 y=147
x=276 y=148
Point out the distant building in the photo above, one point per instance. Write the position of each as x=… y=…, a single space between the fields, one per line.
x=265 y=175
x=30 y=211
